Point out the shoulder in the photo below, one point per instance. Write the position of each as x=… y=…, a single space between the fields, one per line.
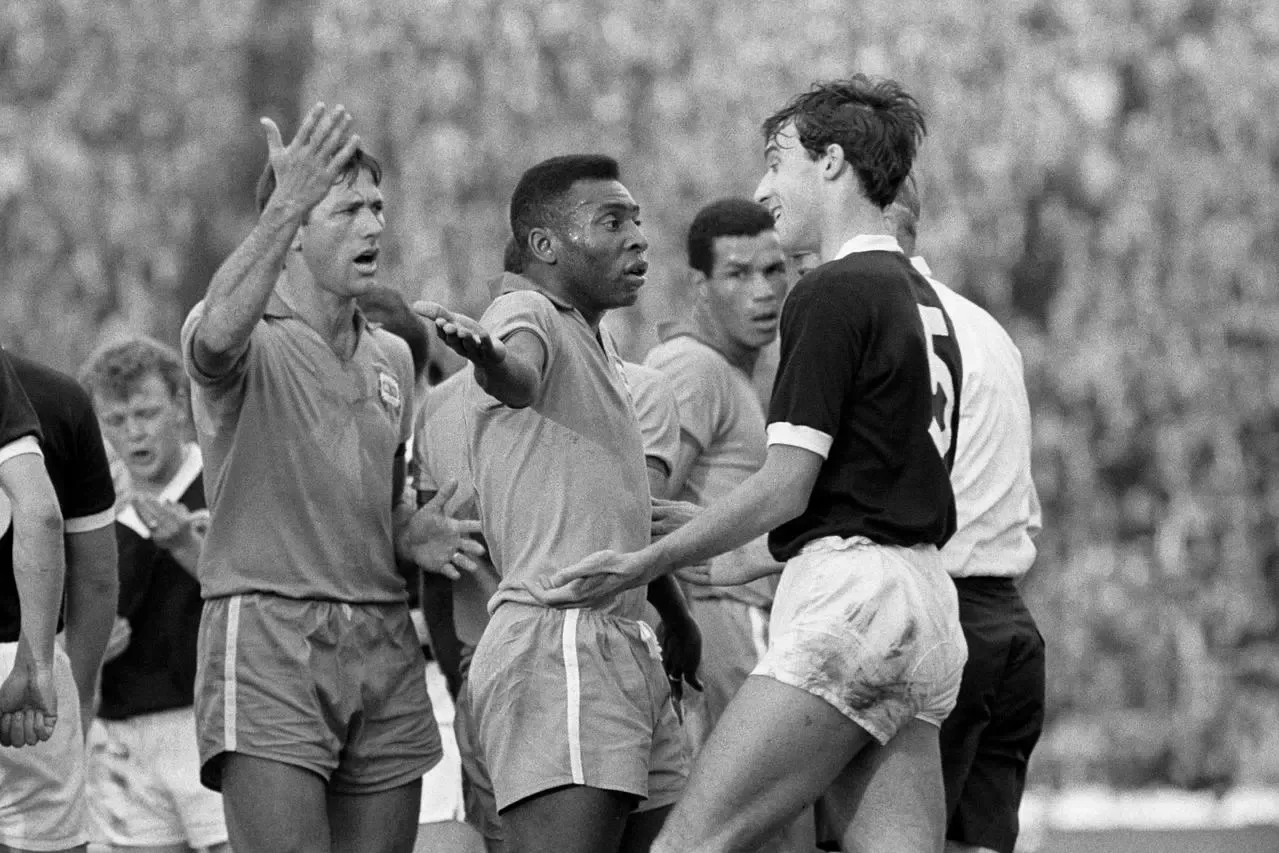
x=971 y=317
x=392 y=346
x=685 y=353
x=53 y=394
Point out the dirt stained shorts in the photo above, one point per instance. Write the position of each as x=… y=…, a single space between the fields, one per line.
x=871 y=629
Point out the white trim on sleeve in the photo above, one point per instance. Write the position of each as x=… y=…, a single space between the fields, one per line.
x=20 y=447
x=87 y=523
x=803 y=437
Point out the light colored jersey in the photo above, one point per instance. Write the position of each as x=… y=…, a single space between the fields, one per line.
x=565 y=476
x=657 y=413
x=996 y=505
x=439 y=447
x=299 y=448
x=720 y=412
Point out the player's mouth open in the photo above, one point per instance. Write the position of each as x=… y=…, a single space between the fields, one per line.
x=637 y=271
x=765 y=318
x=141 y=456
x=366 y=261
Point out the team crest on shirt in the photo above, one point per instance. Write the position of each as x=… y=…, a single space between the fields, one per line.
x=388 y=391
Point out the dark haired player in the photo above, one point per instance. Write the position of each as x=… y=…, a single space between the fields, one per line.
x=865 y=649
x=42 y=786
x=573 y=707
x=311 y=704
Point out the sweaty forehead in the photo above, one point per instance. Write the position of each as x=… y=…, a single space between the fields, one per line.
x=592 y=196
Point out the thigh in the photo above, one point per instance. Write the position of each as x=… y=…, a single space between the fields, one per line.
x=890 y=796
x=775 y=750
x=382 y=822
x=42 y=787
x=272 y=807
x=642 y=829
x=572 y=819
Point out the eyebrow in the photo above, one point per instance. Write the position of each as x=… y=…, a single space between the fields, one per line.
x=613 y=206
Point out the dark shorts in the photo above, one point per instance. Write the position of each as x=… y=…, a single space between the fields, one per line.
x=987 y=740
x=338 y=689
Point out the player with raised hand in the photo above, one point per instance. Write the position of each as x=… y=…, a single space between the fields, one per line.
x=573 y=707
x=312 y=711
x=866 y=649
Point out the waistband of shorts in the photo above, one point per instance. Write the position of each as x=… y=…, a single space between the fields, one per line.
x=258 y=595
x=1002 y=587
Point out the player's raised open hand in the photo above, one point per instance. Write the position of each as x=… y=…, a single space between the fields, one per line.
x=307 y=167
x=28 y=702
x=590 y=582
x=438 y=541
x=464 y=336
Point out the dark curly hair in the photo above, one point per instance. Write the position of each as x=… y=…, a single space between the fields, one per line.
x=875 y=121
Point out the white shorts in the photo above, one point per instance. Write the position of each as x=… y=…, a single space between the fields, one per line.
x=872 y=629
x=144 y=783
x=442 y=785
x=42 y=787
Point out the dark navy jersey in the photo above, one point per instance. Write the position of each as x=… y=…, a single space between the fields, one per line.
x=869 y=377
x=17 y=418
x=161 y=600
x=76 y=461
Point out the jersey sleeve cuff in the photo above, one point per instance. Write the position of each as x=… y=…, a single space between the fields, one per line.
x=19 y=447
x=803 y=437
x=87 y=523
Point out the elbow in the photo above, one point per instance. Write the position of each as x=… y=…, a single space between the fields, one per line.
x=44 y=514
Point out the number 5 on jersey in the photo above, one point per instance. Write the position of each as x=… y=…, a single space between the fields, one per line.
x=941 y=426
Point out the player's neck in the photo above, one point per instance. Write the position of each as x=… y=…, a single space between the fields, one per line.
x=852 y=217
x=330 y=315
x=553 y=285
x=714 y=336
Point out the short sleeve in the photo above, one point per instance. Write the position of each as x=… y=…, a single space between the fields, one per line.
x=697 y=386
x=820 y=355
x=88 y=499
x=193 y=370
x=526 y=311
x=657 y=413
x=17 y=417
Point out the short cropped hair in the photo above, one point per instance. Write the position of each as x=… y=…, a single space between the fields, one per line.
x=115 y=372
x=536 y=200
x=513 y=257
x=876 y=122
x=729 y=217
x=361 y=160
x=388 y=308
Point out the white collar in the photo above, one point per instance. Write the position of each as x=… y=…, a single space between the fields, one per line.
x=922 y=266
x=869 y=243
x=192 y=465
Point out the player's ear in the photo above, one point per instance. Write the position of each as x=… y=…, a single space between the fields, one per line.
x=542 y=245
x=833 y=162
x=698 y=284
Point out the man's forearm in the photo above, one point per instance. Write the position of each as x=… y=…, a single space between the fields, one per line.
x=238 y=294
x=39 y=571
x=92 y=592
x=667 y=599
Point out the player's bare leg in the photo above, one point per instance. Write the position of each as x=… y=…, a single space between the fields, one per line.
x=385 y=822
x=642 y=829
x=775 y=750
x=272 y=807
x=574 y=819
x=890 y=797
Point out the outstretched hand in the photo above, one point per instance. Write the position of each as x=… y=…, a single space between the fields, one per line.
x=308 y=166
x=464 y=336
x=28 y=702
x=591 y=582
x=440 y=542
